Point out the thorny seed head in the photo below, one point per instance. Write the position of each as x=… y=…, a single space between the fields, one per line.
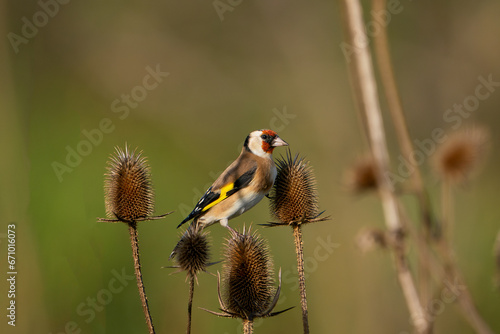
x=128 y=189
x=461 y=155
x=192 y=252
x=361 y=176
x=247 y=276
x=294 y=198
x=247 y=279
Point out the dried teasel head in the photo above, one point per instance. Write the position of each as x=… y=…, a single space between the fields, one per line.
x=294 y=197
x=247 y=279
x=247 y=275
x=361 y=176
x=129 y=195
x=192 y=252
x=460 y=156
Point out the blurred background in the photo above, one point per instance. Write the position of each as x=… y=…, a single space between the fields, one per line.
x=185 y=83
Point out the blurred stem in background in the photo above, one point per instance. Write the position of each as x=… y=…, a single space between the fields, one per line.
x=365 y=92
x=387 y=78
x=366 y=96
x=445 y=231
x=451 y=271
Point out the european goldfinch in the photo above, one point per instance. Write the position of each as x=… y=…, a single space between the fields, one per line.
x=242 y=185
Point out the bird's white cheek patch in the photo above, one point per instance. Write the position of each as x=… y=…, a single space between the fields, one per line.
x=256 y=147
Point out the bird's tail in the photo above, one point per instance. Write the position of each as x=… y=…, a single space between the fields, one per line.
x=192 y=215
x=184 y=221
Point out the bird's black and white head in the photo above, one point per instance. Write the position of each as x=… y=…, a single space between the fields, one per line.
x=263 y=142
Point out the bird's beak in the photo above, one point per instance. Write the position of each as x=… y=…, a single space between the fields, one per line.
x=278 y=142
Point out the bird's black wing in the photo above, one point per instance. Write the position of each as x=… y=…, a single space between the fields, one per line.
x=214 y=197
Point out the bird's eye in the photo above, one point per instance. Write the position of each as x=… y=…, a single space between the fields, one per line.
x=264 y=137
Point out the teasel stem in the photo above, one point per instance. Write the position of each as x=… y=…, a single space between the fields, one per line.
x=366 y=95
x=247 y=326
x=383 y=57
x=134 y=241
x=297 y=234
x=190 y=302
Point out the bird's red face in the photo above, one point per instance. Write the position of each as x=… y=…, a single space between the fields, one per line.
x=267 y=137
x=263 y=142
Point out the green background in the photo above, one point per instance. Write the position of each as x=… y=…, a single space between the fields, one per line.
x=227 y=78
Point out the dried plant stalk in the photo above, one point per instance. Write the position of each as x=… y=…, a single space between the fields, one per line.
x=451 y=271
x=247 y=326
x=366 y=95
x=297 y=234
x=457 y=160
x=381 y=44
x=190 y=303
x=134 y=241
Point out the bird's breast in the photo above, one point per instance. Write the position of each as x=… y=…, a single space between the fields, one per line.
x=264 y=181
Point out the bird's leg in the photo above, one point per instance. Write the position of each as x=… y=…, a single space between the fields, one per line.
x=224 y=222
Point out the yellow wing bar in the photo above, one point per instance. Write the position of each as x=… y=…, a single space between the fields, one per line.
x=223 y=195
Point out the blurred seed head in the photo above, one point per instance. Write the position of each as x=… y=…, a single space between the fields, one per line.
x=461 y=155
x=361 y=176
x=247 y=275
x=192 y=252
x=369 y=239
x=294 y=198
x=128 y=190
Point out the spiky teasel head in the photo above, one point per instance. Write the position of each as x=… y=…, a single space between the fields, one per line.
x=247 y=275
x=460 y=156
x=128 y=191
x=247 y=278
x=361 y=176
x=192 y=252
x=294 y=197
